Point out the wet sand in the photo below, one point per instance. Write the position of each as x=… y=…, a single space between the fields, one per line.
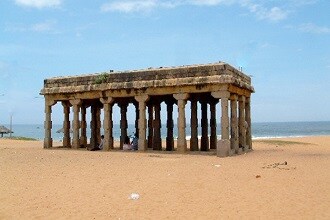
x=281 y=178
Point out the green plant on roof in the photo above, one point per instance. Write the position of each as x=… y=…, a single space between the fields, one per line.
x=102 y=78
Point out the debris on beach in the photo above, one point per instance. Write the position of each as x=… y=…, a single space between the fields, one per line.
x=134 y=196
x=258 y=176
x=217 y=165
x=279 y=166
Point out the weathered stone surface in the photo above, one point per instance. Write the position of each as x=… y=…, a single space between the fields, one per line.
x=139 y=79
x=223 y=148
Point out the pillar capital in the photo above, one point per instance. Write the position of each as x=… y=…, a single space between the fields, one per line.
x=233 y=97
x=181 y=96
x=107 y=100
x=50 y=102
x=142 y=98
x=241 y=98
x=75 y=101
x=66 y=104
x=220 y=94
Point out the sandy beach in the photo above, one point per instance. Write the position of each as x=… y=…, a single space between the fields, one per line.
x=281 y=178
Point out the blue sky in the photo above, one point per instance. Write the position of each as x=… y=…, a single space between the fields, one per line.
x=283 y=44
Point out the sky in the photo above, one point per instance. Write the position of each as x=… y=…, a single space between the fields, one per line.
x=284 y=45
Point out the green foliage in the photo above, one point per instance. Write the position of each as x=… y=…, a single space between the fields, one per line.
x=102 y=78
x=281 y=142
x=20 y=138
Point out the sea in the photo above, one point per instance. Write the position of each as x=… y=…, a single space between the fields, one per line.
x=259 y=130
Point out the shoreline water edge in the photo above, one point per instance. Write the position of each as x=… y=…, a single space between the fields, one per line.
x=260 y=130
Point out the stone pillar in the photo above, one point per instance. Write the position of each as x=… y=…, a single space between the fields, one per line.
x=234 y=124
x=150 y=124
x=76 y=123
x=142 y=99
x=205 y=127
x=213 y=125
x=157 y=140
x=248 y=123
x=224 y=118
x=107 y=123
x=66 y=124
x=241 y=127
x=83 y=138
x=182 y=142
x=123 y=122
x=223 y=146
x=48 y=141
x=98 y=125
x=137 y=115
x=170 y=126
x=194 y=125
x=93 y=126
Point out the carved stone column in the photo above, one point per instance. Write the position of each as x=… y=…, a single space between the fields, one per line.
x=182 y=142
x=157 y=140
x=213 y=124
x=170 y=126
x=241 y=127
x=234 y=124
x=142 y=99
x=194 y=125
x=150 y=124
x=66 y=124
x=248 y=122
x=205 y=127
x=107 y=123
x=76 y=123
x=123 y=122
x=83 y=138
x=48 y=141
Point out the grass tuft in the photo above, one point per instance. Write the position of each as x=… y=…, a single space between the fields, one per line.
x=281 y=142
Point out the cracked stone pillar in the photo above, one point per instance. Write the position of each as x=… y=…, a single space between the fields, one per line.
x=170 y=126
x=205 y=127
x=76 y=123
x=83 y=138
x=150 y=124
x=142 y=143
x=241 y=127
x=182 y=142
x=194 y=125
x=48 y=141
x=213 y=124
x=123 y=122
x=107 y=123
x=234 y=124
x=157 y=141
x=66 y=124
x=248 y=122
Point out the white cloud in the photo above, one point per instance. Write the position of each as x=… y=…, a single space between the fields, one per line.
x=129 y=6
x=47 y=26
x=313 y=29
x=42 y=27
x=273 y=11
x=39 y=3
x=264 y=13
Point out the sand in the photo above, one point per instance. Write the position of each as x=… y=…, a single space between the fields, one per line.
x=77 y=184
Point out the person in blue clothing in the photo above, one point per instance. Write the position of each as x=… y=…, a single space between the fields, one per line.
x=135 y=142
